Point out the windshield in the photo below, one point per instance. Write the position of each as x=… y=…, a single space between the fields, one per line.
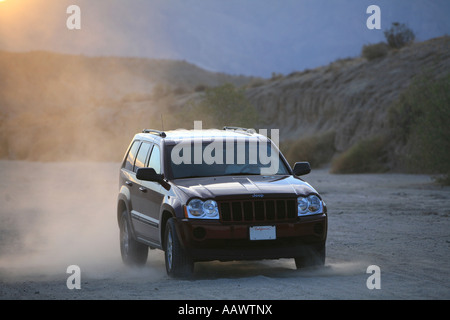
x=220 y=158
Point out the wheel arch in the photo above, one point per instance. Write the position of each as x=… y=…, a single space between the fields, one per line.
x=165 y=216
x=121 y=207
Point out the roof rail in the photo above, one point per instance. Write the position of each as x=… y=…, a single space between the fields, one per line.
x=247 y=130
x=162 y=134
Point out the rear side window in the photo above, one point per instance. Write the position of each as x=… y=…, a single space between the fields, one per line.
x=142 y=156
x=155 y=160
x=131 y=156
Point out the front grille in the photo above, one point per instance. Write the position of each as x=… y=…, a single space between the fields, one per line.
x=257 y=210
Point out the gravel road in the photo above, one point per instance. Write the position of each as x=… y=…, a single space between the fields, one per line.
x=54 y=215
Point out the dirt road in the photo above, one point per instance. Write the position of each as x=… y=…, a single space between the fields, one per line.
x=54 y=215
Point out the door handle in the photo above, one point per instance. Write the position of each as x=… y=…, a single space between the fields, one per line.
x=128 y=183
x=142 y=189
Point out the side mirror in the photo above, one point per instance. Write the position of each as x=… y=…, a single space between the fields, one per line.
x=302 y=168
x=149 y=174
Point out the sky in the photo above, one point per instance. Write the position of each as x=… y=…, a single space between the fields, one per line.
x=249 y=37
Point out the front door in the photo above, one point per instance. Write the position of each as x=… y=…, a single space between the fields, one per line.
x=148 y=198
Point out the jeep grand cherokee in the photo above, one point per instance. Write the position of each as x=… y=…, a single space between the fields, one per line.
x=203 y=195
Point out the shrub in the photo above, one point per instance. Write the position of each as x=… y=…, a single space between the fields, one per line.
x=399 y=35
x=223 y=105
x=180 y=90
x=419 y=120
x=317 y=150
x=200 y=88
x=276 y=76
x=374 y=51
x=367 y=156
x=161 y=91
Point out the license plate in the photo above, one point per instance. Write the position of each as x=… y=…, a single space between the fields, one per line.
x=263 y=233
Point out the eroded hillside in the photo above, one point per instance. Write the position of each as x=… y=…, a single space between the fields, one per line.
x=349 y=98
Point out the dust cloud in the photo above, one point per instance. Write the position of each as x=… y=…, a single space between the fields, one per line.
x=56 y=104
x=58 y=214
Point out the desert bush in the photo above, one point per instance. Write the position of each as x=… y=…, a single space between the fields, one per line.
x=276 y=76
x=223 y=105
x=161 y=91
x=200 y=88
x=367 y=156
x=257 y=82
x=419 y=120
x=180 y=90
x=317 y=149
x=399 y=35
x=133 y=97
x=374 y=51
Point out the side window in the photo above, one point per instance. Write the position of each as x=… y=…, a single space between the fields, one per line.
x=131 y=156
x=155 y=160
x=142 y=156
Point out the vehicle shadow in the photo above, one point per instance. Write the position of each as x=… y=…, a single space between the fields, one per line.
x=282 y=268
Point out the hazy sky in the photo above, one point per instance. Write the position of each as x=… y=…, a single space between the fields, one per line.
x=252 y=37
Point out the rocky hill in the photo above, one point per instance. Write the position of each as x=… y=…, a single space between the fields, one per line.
x=349 y=97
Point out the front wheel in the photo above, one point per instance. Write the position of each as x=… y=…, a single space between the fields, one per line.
x=178 y=263
x=133 y=253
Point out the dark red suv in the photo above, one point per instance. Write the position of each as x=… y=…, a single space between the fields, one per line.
x=204 y=195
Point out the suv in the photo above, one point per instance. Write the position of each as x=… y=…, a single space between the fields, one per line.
x=203 y=195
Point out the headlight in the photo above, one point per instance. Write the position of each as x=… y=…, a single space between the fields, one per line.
x=302 y=204
x=195 y=208
x=199 y=209
x=309 y=205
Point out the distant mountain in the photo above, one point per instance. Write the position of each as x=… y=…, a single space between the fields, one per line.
x=72 y=80
x=57 y=106
x=246 y=37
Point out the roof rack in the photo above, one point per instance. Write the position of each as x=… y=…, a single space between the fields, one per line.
x=247 y=130
x=162 y=134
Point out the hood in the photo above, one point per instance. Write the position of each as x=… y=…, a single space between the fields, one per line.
x=244 y=187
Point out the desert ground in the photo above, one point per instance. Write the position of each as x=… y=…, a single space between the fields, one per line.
x=54 y=215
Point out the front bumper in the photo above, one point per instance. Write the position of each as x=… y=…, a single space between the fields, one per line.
x=206 y=240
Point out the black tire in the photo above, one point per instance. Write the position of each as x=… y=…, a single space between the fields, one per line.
x=178 y=263
x=311 y=257
x=133 y=253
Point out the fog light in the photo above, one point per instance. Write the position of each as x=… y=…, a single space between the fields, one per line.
x=199 y=233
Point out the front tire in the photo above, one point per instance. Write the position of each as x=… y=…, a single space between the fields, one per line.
x=133 y=253
x=178 y=263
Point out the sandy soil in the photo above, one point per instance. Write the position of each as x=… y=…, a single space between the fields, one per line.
x=54 y=215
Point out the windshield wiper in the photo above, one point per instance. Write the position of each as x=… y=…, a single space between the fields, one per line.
x=242 y=174
x=191 y=177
